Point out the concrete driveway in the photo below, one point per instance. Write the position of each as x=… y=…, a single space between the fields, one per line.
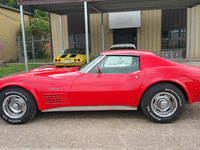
x=103 y=130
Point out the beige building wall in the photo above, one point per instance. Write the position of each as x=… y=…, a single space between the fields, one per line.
x=195 y=33
x=149 y=34
x=96 y=35
x=10 y=22
x=56 y=34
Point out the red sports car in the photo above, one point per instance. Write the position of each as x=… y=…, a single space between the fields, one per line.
x=115 y=80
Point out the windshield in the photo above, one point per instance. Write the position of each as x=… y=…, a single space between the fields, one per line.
x=89 y=65
x=68 y=51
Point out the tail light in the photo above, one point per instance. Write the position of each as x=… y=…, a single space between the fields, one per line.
x=56 y=60
x=79 y=60
x=59 y=60
x=74 y=59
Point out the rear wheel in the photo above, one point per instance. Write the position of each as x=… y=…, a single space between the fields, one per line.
x=163 y=103
x=17 y=106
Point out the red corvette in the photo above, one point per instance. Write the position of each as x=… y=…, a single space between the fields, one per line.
x=115 y=80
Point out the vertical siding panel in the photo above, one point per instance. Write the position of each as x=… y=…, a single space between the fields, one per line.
x=188 y=34
x=195 y=34
x=198 y=30
x=138 y=37
x=146 y=25
x=92 y=33
x=96 y=40
x=154 y=19
x=56 y=38
x=159 y=30
x=8 y=31
x=149 y=35
x=96 y=34
x=65 y=31
x=106 y=32
x=99 y=33
x=110 y=33
x=195 y=54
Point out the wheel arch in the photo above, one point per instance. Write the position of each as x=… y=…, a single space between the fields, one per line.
x=180 y=87
x=17 y=86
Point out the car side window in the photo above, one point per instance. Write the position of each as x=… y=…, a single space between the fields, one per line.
x=118 y=64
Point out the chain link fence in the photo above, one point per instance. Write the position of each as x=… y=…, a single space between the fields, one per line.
x=38 y=51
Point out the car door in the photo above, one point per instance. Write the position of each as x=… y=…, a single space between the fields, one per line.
x=117 y=84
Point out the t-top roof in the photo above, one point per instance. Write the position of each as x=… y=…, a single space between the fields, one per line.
x=63 y=7
x=127 y=52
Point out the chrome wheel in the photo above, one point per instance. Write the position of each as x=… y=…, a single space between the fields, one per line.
x=14 y=106
x=164 y=104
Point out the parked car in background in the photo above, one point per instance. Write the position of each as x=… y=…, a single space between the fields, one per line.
x=71 y=57
x=122 y=46
x=115 y=80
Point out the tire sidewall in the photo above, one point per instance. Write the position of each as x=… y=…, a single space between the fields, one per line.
x=26 y=97
x=148 y=97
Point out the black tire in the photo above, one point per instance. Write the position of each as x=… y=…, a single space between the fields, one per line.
x=163 y=103
x=17 y=106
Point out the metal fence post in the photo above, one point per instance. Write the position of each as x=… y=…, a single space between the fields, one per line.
x=86 y=30
x=33 y=49
x=19 y=49
x=2 y=48
x=50 y=50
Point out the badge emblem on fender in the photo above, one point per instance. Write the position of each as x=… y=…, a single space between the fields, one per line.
x=53 y=89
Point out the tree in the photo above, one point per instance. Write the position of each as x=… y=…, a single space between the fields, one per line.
x=14 y=4
x=40 y=30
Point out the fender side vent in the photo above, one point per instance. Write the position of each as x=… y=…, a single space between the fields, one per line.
x=55 y=98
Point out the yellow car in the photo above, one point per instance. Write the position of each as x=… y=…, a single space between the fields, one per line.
x=71 y=57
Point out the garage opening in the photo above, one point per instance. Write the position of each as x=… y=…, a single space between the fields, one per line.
x=121 y=36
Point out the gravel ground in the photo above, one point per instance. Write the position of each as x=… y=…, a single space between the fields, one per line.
x=121 y=130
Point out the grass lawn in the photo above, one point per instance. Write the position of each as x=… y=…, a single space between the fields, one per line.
x=40 y=60
x=11 y=69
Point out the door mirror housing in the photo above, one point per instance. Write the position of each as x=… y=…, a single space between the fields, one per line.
x=98 y=70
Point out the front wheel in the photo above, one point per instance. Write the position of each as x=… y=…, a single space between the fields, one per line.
x=17 y=106
x=163 y=103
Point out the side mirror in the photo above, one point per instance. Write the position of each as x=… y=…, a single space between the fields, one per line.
x=98 y=70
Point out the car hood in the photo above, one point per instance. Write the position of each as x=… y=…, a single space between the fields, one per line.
x=49 y=71
x=42 y=76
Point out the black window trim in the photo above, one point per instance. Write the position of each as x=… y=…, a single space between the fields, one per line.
x=113 y=55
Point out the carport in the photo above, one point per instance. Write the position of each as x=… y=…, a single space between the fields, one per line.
x=66 y=7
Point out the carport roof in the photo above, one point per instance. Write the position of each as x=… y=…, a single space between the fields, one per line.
x=64 y=7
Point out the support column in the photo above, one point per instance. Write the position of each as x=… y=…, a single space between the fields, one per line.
x=191 y=30
x=2 y=53
x=19 y=49
x=102 y=32
x=24 y=37
x=86 y=30
x=33 y=48
x=61 y=33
